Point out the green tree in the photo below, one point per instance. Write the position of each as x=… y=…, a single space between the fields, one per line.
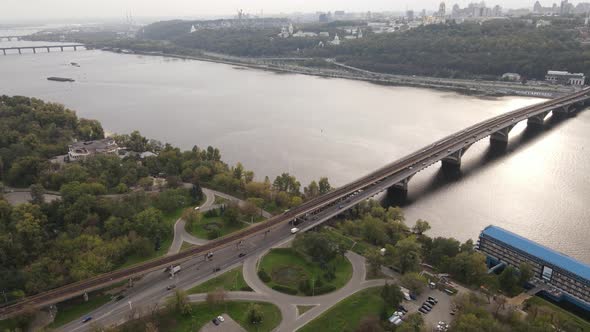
x=414 y=282
x=324 y=185
x=37 y=194
x=255 y=314
x=421 y=226
x=406 y=254
x=392 y=295
x=312 y=191
x=526 y=273
x=509 y=280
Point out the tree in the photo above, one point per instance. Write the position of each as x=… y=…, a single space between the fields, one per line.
x=150 y=223
x=312 y=191
x=392 y=295
x=317 y=246
x=406 y=254
x=421 y=226
x=374 y=260
x=324 y=185
x=196 y=193
x=179 y=302
x=443 y=249
x=414 y=282
x=467 y=267
x=216 y=297
x=231 y=214
x=255 y=314
x=509 y=280
x=374 y=231
x=526 y=273
x=369 y=324
x=37 y=194
x=412 y=323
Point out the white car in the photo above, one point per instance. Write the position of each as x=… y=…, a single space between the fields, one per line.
x=294 y=230
x=197 y=208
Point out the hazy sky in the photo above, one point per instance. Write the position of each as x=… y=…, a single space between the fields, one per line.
x=12 y=10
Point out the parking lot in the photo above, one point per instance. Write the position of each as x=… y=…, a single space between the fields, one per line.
x=440 y=312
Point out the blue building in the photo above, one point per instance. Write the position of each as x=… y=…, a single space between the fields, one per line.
x=561 y=277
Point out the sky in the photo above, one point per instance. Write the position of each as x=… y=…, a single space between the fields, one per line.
x=15 y=10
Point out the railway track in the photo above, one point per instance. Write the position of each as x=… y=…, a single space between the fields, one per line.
x=449 y=142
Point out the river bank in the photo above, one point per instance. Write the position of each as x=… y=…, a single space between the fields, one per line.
x=463 y=86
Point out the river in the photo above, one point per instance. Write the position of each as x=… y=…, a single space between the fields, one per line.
x=313 y=127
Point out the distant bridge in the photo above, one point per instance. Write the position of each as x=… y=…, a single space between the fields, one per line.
x=20 y=49
x=312 y=213
x=10 y=38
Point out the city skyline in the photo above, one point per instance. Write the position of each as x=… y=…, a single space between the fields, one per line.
x=18 y=10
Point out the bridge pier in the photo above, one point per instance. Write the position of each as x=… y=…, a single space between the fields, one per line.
x=453 y=161
x=537 y=120
x=34 y=50
x=4 y=52
x=19 y=51
x=62 y=48
x=75 y=48
x=48 y=50
x=501 y=136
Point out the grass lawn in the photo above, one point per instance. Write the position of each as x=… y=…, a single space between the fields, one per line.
x=170 y=220
x=346 y=315
x=186 y=245
x=202 y=228
x=287 y=268
x=584 y=324
x=8 y=325
x=304 y=308
x=232 y=280
x=74 y=309
x=203 y=313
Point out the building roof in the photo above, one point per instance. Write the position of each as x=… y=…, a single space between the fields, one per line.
x=550 y=256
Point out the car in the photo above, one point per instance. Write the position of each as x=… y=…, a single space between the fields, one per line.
x=169 y=287
x=423 y=164
x=87 y=319
x=294 y=230
x=402 y=308
x=340 y=206
x=197 y=208
x=242 y=254
x=427 y=305
x=422 y=311
x=410 y=168
x=217 y=269
x=431 y=302
x=433 y=299
x=220 y=319
x=449 y=151
x=119 y=297
x=216 y=321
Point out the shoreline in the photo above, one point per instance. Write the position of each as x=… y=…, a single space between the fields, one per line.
x=466 y=87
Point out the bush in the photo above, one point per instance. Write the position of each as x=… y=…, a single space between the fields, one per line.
x=324 y=289
x=246 y=289
x=213 y=234
x=263 y=276
x=285 y=289
x=304 y=286
x=211 y=213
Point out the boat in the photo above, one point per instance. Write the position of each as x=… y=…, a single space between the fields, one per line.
x=75 y=64
x=60 y=79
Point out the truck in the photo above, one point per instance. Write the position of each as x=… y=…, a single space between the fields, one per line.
x=174 y=270
x=406 y=293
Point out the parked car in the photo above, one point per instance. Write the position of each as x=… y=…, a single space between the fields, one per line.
x=218 y=320
x=216 y=269
x=242 y=254
x=433 y=299
x=169 y=287
x=119 y=297
x=294 y=230
x=422 y=310
x=87 y=319
x=431 y=302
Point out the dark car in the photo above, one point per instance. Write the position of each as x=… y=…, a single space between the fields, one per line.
x=402 y=308
x=431 y=302
x=170 y=287
x=433 y=299
x=426 y=307
x=86 y=319
x=242 y=254
x=422 y=310
x=215 y=321
x=216 y=269
x=119 y=297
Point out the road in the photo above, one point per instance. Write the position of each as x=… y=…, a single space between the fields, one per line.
x=180 y=233
x=335 y=201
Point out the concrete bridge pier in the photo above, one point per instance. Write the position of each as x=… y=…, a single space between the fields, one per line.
x=62 y=48
x=34 y=50
x=453 y=161
x=19 y=51
x=501 y=136
x=4 y=52
x=402 y=185
x=537 y=120
x=565 y=111
x=48 y=50
x=75 y=48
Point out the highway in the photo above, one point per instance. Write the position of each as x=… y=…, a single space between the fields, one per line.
x=313 y=212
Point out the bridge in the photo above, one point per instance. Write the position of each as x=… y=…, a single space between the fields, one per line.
x=20 y=49
x=10 y=38
x=312 y=213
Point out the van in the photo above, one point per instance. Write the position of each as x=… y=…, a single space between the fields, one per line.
x=294 y=230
